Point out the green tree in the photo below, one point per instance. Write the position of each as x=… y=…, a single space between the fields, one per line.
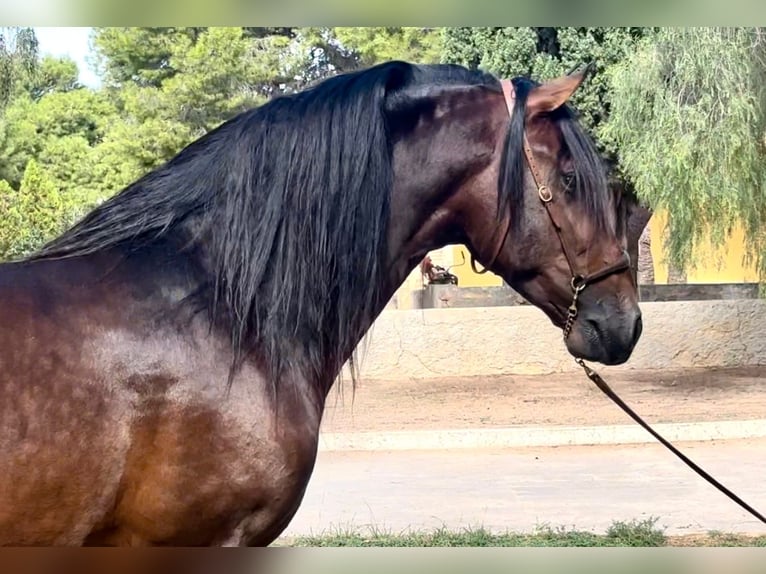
x=132 y=147
x=327 y=51
x=18 y=57
x=147 y=56
x=171 y=85
x=50 y=130
x=52 y=74
x=369 y=45
x=32 y=215
x=543 y=53
x=689 y=118
x=139 y=55
x=11 y=222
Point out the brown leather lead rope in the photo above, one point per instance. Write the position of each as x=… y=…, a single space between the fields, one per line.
x=607 y=390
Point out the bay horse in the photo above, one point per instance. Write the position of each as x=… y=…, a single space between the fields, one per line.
x=165 y=362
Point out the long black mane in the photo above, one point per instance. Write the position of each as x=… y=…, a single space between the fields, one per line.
x=288 y=206
x=289 y=203
x=590 y=189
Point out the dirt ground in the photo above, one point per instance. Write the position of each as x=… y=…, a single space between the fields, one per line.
x=698 y=395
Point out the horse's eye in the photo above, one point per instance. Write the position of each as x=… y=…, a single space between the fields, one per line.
x=569 y=180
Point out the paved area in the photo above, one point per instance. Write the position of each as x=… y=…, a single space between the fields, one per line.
x=517 y=452
x=539 y=436
x=586 y=487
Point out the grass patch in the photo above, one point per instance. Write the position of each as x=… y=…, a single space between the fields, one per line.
x=643 y=533
x=635 y=533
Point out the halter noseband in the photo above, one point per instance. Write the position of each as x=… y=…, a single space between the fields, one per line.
x=579 y=280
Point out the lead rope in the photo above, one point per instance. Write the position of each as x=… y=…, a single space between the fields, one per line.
x=606 y=389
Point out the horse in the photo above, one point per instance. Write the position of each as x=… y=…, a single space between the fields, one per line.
x=165 y=361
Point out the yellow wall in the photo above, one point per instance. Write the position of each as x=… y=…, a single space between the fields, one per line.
x=466 y=276
x=723 y=265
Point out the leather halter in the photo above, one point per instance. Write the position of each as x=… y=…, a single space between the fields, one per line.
x=580 y=279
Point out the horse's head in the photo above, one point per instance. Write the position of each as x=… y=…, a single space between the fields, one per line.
x=557 y=239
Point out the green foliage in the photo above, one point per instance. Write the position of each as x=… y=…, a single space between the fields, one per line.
x=374 y=45
x=217 y=75
x=18 y=57
x=51 y=75
x=43 y=130
x=544 y=53
x=32 y=215
x=688 y=118
x=327 y=51
x=139 y=55
x=172 y=85
x=11 y=221
x=131 y=148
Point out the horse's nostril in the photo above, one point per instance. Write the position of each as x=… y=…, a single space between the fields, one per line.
x=595 y=326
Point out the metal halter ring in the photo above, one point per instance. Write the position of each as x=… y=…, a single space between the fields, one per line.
x=544 y=193
x=578 y=283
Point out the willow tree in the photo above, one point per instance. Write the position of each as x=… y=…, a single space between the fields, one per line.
x=688 y=116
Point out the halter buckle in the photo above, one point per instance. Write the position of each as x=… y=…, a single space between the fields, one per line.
x=544 y=193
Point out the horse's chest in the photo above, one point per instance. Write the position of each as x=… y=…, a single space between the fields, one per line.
x=202 y=475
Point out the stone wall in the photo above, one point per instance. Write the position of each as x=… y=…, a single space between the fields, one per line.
x=449 y=296
x=485 y=341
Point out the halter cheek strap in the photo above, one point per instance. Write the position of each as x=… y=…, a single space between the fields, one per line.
x=510 y=96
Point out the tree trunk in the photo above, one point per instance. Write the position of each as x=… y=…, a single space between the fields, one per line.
x=639 y=241
x=676 y=275
x=645 y=259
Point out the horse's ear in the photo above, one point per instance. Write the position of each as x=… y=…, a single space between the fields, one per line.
x=553 y=94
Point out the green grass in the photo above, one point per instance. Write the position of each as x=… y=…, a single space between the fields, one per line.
x=642 y=533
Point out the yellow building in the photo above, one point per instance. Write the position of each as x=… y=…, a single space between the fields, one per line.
x=724 y=265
